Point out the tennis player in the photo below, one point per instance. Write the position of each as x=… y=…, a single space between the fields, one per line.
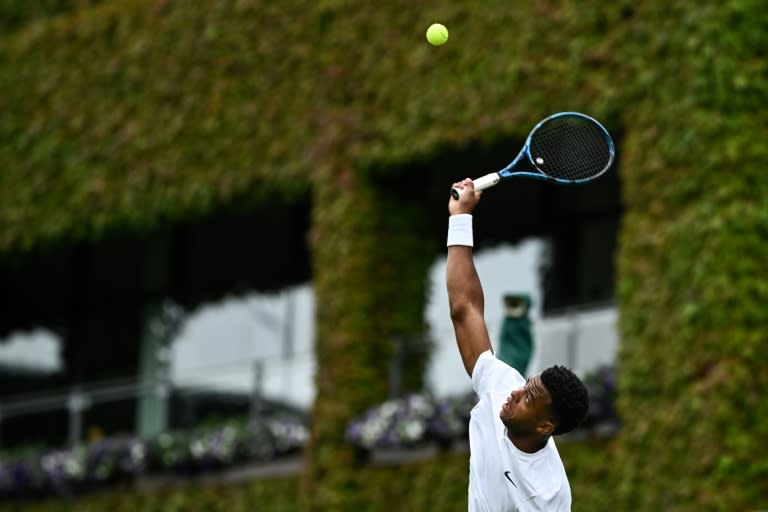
x=514 y=464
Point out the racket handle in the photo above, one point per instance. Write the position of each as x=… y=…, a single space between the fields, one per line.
x=480 y=183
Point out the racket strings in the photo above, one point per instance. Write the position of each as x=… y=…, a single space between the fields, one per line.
x=570 y=148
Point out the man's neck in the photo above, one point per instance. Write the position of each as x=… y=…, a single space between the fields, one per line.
x=528 y=444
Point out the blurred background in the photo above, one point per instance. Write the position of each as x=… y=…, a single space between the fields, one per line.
x=222 y=249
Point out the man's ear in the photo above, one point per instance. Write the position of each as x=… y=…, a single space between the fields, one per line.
x=545 y=428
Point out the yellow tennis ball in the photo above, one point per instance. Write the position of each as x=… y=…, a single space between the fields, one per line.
x=437 y=34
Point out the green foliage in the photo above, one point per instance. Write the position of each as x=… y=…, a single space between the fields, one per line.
x=439 y=483
x=141 y=113
x=364 y=256
x=20 y=13
x=692 y=291
x=117 y=119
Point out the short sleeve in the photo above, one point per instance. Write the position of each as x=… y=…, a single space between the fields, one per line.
x=490 y=374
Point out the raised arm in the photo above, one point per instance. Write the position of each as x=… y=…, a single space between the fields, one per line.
x=465 y=293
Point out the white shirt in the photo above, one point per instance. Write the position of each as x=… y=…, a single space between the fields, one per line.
x=501 y=477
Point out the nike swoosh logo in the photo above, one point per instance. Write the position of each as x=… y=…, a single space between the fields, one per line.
x=506 y=474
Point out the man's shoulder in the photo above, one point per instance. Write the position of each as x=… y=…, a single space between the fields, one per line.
x=490 y=372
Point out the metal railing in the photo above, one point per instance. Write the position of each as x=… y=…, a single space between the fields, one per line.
x=583 y=338
x=78 y=399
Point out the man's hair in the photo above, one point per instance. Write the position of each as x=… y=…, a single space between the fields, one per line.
x=570 y=399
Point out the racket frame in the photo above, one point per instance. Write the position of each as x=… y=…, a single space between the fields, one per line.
x=524 y=165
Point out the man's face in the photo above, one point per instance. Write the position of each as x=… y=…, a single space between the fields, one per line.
x=527 y=408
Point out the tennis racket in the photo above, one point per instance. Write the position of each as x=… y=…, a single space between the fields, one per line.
x=568 y=148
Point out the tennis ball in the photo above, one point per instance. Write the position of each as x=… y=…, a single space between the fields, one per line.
x=437 y=34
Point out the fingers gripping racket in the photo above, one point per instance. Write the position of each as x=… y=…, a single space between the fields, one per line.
x=568 y=148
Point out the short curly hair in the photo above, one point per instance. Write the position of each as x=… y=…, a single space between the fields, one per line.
x=570 y=398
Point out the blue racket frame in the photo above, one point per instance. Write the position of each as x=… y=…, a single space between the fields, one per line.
x=519 y=162
x=524 y=165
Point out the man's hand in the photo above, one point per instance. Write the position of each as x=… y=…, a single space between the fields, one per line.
x=467 y=200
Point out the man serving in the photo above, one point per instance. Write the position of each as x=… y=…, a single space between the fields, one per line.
x=514 y=464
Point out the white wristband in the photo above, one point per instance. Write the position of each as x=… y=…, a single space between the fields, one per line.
x=460 y=230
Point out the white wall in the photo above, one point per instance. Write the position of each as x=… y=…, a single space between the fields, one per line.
x=218 y=345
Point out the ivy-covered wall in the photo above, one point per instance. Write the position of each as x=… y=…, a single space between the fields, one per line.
x=692 y=282
x=136 y=113
x=16 y=14
x=435 y=484
x=371 y=259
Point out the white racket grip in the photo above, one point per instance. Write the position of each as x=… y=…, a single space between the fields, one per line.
x=481 y=183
